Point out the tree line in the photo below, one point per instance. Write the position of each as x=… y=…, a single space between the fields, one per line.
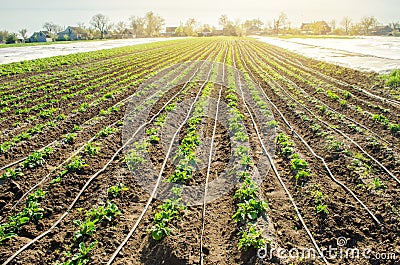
x=151 y=25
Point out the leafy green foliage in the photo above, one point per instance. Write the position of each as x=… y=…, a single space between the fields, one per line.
x=272 y=124
x=251 y=237
x=319 y=199
x=249 y=210
x=247 y=191
x=160 y=121
x=134 y=158
x=81 y=257
x=76 y=128
x=380 y=118
x=286 y=145
x=106 y=132
x=153 y=138
x=37 y=158
x=170 y=210
x=12 y=174
x=378 y=184
x=332 y=95
x=170 y=107
x=394 y=128
x=116 y=189
x=76 y=165
x=91 y=149
x=334 y=145
x=70 y=138
x=32 y=210
x=392 y=79
x=95 y=216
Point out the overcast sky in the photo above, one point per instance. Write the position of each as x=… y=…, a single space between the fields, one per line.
x=17 y=14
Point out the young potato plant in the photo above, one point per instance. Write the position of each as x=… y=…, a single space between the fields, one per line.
x=82 y=256
x=247 y=191
x=377 y=184
x=37 y=158
x=92 y=149
x=58 y=178
x=116 y=189
x=300 y=168
x=152 y=133
x=170 y=210
x=250 y=210
x=135 y=158
x=95 y=216
x=76 y=165
x=31 y=211
x=70 y=138
x=106 y=132
x=251 y=236
x=319 y=200
x=334 y=145
x=12 y=174
x=286 y=146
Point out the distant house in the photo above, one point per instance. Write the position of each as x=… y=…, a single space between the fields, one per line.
x=318 y=27
x=218 y=32
x=253 y=30
x=205 y=33
x=72 y=33
x=40 y=36
x=125 y=34
x=382 y=31
x=170 y=31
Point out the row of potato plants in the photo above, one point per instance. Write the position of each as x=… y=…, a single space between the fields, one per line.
x=75 y=166
x=113 y=68
x=361 y=164
x=100 y=214
x=300 y=171
x=82 y=73
x=39 y=65
x=250 y=206
x=84 y=106
x=37 y=157
x=88 y=91
x=317 y=83
x=365 y=181
x=185 y=161
x=172 y=208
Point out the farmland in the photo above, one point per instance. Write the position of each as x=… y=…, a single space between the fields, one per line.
x=196 y=151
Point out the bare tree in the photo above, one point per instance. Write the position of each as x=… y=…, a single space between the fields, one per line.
x=280 y=22
x=238 y=28
x=120 y=27
x=191 y=27
x=52 y=27
x=223 y=20
x=367 y=23
x=258 y=23
x=81 y=25
x=346 y=23
x=250 y=26
x=154 y=23
x=137 y=24
x=356 y=29
x=394 y=26
x=332 y=25
x=100 y=22
x=23 y=32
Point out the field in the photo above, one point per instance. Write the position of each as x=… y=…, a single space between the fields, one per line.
x=197 y=151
